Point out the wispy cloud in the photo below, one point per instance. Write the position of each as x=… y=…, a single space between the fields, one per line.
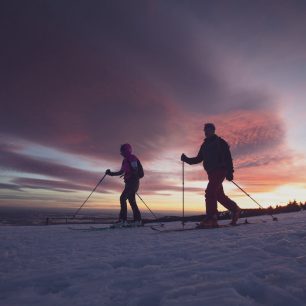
x=61 y=176
x=14 y=187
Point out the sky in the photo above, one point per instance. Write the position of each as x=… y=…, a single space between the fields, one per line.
x=79 y=78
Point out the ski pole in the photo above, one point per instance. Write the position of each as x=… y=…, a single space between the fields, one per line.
x=183 y=190
x=89 y=195
x=147 y=207
x=274 y=218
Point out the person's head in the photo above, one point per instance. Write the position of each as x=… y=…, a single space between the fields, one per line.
x=209 y=129
x=125 y=149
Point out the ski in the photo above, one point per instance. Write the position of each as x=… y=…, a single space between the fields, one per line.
x=105 y=228
x=195 y=228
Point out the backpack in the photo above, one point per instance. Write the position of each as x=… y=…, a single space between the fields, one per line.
x=140 y=169
x=140 y=172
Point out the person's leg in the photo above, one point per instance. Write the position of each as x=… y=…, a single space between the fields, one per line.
x=136 y=212
x=229 y=204
x=211 y=193
x=225 y=200
x=215 y=180
x=123 y=210
x=132 y=200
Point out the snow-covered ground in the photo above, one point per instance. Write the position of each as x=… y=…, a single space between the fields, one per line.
x=258 y=264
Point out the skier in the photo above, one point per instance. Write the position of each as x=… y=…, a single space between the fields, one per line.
x=217 y=161
x=132 y=171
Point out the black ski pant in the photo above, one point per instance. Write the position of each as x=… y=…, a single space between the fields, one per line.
x=129 y=193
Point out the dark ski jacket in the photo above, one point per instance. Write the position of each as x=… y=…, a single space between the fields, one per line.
x=215 y=154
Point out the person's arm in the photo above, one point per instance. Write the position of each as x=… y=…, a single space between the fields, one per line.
x=193 y=160
x=117 y=173
x=110 y=173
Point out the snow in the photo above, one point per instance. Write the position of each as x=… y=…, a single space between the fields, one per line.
x=257 y=264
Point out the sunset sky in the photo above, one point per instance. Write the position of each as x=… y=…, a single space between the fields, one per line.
x=79 y=78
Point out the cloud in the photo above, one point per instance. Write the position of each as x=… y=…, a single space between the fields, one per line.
x=26 y=164
x=164 y=187
x=60 y=186
x=63 y=177
x=118 y=76
x=245 y=131
x=249 y=132
x=10 y=187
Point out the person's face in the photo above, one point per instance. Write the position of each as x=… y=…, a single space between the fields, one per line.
x=209 y=132
x=122 y=153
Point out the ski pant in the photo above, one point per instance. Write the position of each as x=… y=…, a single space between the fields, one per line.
x=214 y=192
x=129 y=193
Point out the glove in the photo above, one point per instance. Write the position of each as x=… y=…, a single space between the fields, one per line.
x=183 y=157
x=229 y=176
x=108 y=172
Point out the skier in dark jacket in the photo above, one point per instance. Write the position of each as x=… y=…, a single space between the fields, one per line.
x=217 y=161
x=130 y=171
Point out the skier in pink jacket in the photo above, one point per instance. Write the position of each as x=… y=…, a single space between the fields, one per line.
x=132 y=171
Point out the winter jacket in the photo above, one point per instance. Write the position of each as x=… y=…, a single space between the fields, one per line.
x=129 y=168
x=215 y=154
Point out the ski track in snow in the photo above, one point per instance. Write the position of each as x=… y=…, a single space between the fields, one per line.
x=257 y=264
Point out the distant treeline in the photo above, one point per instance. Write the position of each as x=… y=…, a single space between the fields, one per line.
x=290 y=207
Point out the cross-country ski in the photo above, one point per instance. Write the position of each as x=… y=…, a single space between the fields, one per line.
x=196 y=227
